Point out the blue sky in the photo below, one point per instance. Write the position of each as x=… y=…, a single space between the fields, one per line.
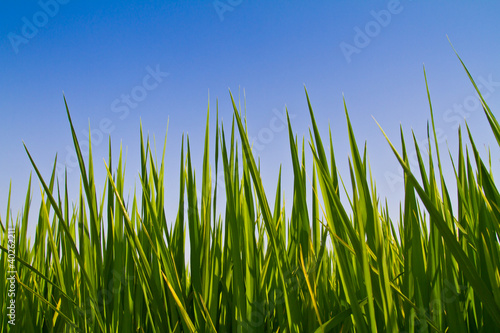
x=119 y=62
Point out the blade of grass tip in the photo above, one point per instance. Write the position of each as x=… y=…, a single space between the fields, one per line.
x=195 y=232
x=205 y=210
x=231 y=151
x=89 y=187
x=108 y=255
x=56 y=262
x=423 y=175
x=95 y=218
x=332 y=162
x=27 y=201
x=444 y=190
x=334 y=206
x=301 y=191
x=293 y=323
x=365 y=211
x=413 y=252
x=315 y=214
x=166 y=257
x=277 y=199
x=178 y=235
x=249 y=246
x=8 y=210
x=486 y=179
x=234 y=239
x=139 y=257
x=52 y=181
x=216 y=159
x=248 y=193
x=433 y=126
x=336 y=212
x=360 y=172
x=130 y=229
x=495 y=126
x=7 y=215
x=455 y=248
x=161 y=200
x=69 y=238
x=317 y=137
x=335 y=195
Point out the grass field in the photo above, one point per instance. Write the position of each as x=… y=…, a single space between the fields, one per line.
x=101 y=263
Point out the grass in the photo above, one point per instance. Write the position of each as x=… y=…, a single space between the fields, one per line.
x=106 y=264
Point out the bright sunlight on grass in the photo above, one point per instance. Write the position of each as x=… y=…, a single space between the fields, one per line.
x=102 y=263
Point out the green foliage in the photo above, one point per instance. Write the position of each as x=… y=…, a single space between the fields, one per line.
x=106 y=264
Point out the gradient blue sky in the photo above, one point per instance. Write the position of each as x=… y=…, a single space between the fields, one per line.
x=98 y=51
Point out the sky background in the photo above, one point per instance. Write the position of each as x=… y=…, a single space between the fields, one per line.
x=102 y=54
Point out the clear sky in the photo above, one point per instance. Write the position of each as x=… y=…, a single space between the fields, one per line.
x=122 y=61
